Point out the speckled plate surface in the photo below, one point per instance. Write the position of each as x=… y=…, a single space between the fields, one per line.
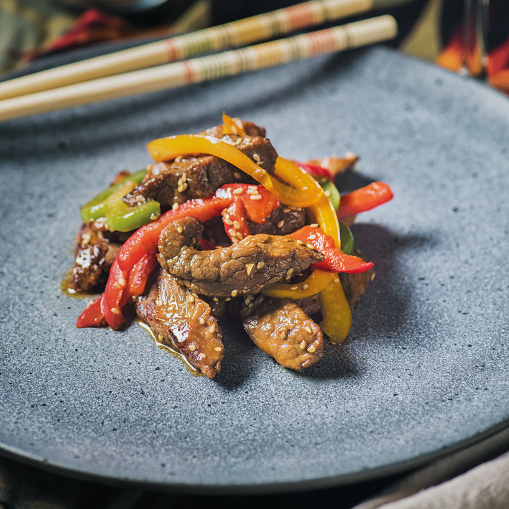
x=425 y=368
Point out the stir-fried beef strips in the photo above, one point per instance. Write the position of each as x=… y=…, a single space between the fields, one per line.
x=199 y=176
x=243 y=268
x=282 y=330
x=182 y=321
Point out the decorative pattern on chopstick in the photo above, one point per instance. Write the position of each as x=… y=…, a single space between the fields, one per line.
x=200 y=69
x=262 y=26
x=281 y=51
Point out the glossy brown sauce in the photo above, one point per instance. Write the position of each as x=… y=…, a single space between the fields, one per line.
x=144 y=325
x=64 y=288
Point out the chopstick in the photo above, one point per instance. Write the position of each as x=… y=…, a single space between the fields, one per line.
x=213 y=39
x=206 y=68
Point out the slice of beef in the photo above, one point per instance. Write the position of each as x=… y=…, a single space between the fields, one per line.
x=243 y=268
x=282 y=221
x=282 y=330
x=199 y=176
x=94 y=252
x=182 y=321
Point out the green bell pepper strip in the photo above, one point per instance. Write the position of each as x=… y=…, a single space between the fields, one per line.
x=94 y=208
x=331 y=191
x=347 y=241
x=120 y=216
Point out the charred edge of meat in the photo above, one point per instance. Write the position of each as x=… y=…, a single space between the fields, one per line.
x=183 y=321
x=243 y=268
x=193 y=177
x=284 y=331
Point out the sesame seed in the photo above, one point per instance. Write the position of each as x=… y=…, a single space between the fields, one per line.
x=260 y=265
x=303 y=345
x=240 y=236
x=115 y=311
x=212 y=328
x=236 y=225
x=327 y=193
x=280 y=224
x=312 y=237
x=239 y=190
x=140 y=198
x=215 y=299
x=282 y=335
x=85 y=239
x=192 y=348
x=252 y=190
x=153 y=217
x=160 y=337
x=175 y=206
x=256 y=197
x=289 y=273
x=256 y=157
x=182 y=188
x=286 y=211
x=118 y=285
x=217 y=348
x=293 y=287
x=191 y=298
x=178 y=159
x=314 y=225
x=305 y=286
x=228 y=299
x=237 y=175
x=310 y=246
x=307 y=328
x=311 y=348
x=249 y=268
x=231 y=232
x=234 y=293
x=180 y=229
x=202 y=320
x=238 y=141
x=229 y=222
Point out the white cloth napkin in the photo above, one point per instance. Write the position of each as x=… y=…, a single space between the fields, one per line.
x=468 y=479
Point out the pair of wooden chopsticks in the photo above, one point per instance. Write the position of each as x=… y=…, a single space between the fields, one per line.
x=160 y=65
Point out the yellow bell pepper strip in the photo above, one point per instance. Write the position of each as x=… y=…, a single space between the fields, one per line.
x=314 y=284
x=326 y=218
x=165 y=149
x=336 y=312
x=335 y=260
x=232 y=126
x=364 y=199
x=334 y=306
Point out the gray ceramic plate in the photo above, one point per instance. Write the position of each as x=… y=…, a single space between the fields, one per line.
x=425 y=368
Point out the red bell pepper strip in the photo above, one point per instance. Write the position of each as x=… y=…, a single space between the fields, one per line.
x=234 y=219
x=315 y=170
x=257 y=209
x=364 y=199
x=335 y=259
x=92 y=316
x=206 y=245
